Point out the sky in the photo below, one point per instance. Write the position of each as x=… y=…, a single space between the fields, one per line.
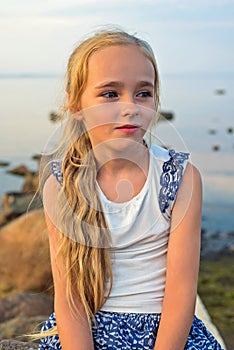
x=188 y=36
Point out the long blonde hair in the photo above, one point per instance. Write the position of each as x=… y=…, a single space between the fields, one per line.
x=85 y=252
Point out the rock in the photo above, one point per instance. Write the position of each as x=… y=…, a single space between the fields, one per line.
x=20 y=170
x=16 y=345
x=165 y=116
x=20 y=328
x=5 y=217
x=3 y=163
x=31 y=182
x=36 y=157
x=55 y=117
x=24 y=255
x=25 y=305
x=212 y=131
x=216 y=147
x=18 y=202
x=31 y=178
x=220 y=92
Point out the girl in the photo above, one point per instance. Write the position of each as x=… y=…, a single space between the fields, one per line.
x=123 y=215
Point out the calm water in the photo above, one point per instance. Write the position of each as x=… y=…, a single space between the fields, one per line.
x=203 y=120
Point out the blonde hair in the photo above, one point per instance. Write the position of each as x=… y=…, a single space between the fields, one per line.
x=86 y=254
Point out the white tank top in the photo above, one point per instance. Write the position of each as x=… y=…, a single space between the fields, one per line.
x=140 y=231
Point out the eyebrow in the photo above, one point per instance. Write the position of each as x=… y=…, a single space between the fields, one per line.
x=118 y=84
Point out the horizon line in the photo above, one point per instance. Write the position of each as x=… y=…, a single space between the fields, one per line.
x=29 y=75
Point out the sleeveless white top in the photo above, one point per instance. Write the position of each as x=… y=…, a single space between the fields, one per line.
x=140 y=232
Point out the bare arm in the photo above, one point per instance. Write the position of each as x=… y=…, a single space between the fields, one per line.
x=182 y=265
x=74 y=332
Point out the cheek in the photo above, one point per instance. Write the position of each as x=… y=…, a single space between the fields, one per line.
x=99 y=135
x=100 y=115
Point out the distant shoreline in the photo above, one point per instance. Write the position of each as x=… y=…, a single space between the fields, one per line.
x=30 y=75
x=181 y=75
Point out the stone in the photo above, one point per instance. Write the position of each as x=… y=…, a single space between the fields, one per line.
x=21 y=328
x=17 y=203
x=20 y=170
x=165 y=116
x=4 y=163
x=16 y=345
x=31 y=182
x=24 y=255
x=25 y=305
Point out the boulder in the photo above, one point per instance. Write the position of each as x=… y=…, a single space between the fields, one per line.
x=20 y=170
x=25 y=305
x=20 y=328
x=165 y=116
x=16 y=345
x=31 y=181
x=17 y=203
x=4 y=163
x=24 y=255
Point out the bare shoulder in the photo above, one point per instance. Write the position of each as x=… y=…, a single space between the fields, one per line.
x=191 y=181
x=188 y=203
x=192 y=172
x=51 y=185
x=50 y=194
x=50 y=191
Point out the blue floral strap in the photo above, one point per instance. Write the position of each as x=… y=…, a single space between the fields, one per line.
x=56 y=166
x=172 y=172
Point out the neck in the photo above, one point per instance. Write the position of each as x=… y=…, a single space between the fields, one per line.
x=127 y=160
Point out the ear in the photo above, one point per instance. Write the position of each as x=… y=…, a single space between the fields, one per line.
x=76 y=114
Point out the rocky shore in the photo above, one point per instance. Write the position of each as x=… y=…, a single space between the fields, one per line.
x=26 y=294
x=15 y=203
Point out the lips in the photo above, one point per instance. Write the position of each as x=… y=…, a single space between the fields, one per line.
x=128 y=128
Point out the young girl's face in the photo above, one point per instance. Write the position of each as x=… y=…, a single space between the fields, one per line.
x=118 y=100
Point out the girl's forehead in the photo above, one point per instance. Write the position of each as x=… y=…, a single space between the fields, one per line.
x=119 y=59
x=114 y=51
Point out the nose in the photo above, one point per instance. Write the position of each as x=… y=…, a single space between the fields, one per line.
x=129 y=109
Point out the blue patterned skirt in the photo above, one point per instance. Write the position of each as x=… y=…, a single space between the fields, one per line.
x=128 y=331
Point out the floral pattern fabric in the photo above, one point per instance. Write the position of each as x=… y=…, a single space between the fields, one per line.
x=171 y=176
x=129 y=331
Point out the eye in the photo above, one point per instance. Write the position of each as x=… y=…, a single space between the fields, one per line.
x=110 y=94
x=144 y=94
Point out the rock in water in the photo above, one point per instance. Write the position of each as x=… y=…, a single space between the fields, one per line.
x=20 y=170
x=4 y=163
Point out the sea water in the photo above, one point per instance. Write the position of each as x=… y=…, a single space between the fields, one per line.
x=203 y=125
